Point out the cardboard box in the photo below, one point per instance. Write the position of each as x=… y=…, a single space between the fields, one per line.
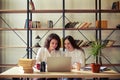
x=103 y=24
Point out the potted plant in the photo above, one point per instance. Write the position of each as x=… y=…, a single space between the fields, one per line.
x=96 y=47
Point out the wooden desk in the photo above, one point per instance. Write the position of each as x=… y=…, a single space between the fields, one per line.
x=15 y=72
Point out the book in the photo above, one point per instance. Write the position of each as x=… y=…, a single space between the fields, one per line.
x=104 y=24
x=82 y=25
x=34 y=25
x=87 y=25
x=77 y=25
x=110 y=43
x=38 y=24
x=82 y=44
x=30 y=24
x=117 y=5
x=79 y=42
x=73 y=24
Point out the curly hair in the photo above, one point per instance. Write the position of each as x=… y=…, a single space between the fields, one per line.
x=50 y=37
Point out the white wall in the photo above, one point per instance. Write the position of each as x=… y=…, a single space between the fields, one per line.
x=9 y=38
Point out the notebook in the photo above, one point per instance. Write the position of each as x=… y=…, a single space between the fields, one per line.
x=59 y=64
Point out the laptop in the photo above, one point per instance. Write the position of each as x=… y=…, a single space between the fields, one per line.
x=59 y=64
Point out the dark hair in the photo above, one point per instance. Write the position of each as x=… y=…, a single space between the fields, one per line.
x=50 y=37
x=72 y=41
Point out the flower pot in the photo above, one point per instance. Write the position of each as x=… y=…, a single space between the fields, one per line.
x=95 y=68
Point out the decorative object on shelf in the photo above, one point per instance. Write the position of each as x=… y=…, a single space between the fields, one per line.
x=37 y=37
x=116 y=5
x=50 y=24
x=37 y=45
x=32 y=6
x=37 y=41
x=118 y=26
x=68 y=25
x=104 y=23
x=96 y=47
x=72 y=25
x=36 y=24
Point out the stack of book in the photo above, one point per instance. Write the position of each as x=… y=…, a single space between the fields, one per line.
x=78 y=25
x=33 y=24
x=109 y=43
x=82 y=43
x=83 y=25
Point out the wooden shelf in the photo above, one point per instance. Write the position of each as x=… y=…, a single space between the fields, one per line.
x=61 y=11
x=62 y=29
x=110 y=11
x=11 y=47
x=33 y=11
x=66 y=11
x=110 y=29
x=73 y=29
x=7 y=65
x=46 y=11
x=8 y=29
x=116 y=46
x=3 y=47
x=13 y=11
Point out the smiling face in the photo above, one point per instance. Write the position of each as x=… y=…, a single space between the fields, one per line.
x=68 y=45
x=53 y=44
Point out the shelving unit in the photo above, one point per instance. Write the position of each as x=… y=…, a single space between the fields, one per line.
x=100 y=33
x=97 y=11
